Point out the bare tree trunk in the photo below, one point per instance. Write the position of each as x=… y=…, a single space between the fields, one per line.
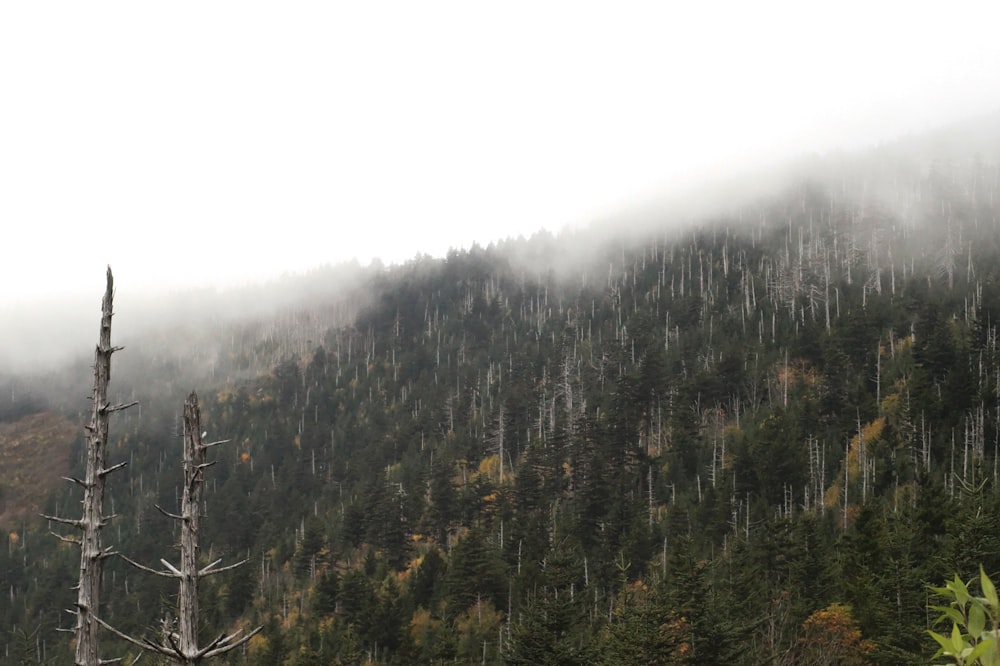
x=194 y=463
x=92 y=551
x=182 y=647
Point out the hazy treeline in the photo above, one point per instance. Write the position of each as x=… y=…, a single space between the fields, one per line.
x=756 y=439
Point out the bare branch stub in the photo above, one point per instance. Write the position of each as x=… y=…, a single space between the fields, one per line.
x=73 y=479
x=143 y=567
x=167 y=513
x=209 y=571
x=113 y=468
x=117 y=408
x=227 y=646
x=65 y=538
x=72 y=522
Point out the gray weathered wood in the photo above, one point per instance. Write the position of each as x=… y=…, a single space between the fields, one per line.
x=182 y=647
x=92 y=551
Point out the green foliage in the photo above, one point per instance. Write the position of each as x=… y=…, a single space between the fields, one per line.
x=325 y=593
x=551 y=631
x=25 y=648
x=975 y=623
x=475 y=572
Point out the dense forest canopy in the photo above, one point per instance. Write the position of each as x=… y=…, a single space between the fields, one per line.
x=756 y=438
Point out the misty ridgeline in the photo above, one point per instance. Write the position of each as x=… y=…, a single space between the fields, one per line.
x=756 y=437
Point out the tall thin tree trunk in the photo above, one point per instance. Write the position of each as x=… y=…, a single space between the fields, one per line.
x=92 y=551
x=194 y=464
x=182 y=647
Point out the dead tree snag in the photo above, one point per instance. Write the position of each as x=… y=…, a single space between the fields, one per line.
x=92 y=551
x=182 y=646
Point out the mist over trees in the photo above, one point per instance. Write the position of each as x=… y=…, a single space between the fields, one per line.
x=754 y=438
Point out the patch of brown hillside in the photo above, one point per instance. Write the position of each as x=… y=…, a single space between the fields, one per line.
x=34 y=456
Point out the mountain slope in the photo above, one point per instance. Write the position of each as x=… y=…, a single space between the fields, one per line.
x=708 y=444
x=35 y=452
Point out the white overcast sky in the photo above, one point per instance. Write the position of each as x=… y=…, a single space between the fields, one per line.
x=209 y=143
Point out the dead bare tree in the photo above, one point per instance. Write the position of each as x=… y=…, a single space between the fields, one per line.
x=92 y=551
x=181 y=646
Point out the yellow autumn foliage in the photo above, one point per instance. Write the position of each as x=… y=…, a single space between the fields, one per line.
x=834 y=495
x=832 y=636
x=411 y=567
x=489 y=467
x=478 y=623
x=799 y=373
x=257 y=644
x=870 y=435
x=422 y=625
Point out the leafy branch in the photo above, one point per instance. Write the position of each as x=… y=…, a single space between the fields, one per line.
x=975 y=623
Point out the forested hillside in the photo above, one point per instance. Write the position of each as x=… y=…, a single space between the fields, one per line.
x=753 y=439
